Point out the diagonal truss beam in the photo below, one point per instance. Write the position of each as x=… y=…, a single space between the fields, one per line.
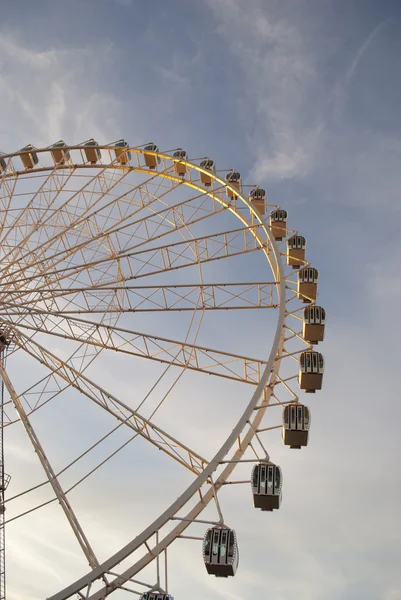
x=38 y=226
x=177 y=353
x=181 y=297
x=49 y=387
x=100 y=225
x=51 y=475
x=30 y=219
x=135 y=265
x=121 y=411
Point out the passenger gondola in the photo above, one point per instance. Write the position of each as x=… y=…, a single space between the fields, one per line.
x=234 y=180
x=29 y=157
x=151 y=160
x=266 y=486
x=311 y=368
x=220 y=551
x=209 y=165
x=314 y=323
x=296 y=246
x=296 y=423
x=3 y=165
x=180 y=167
x=92 y=151
x=308 y=278
x=257 y=197
x=122 y=154
x=278 y=224
x=59 y=153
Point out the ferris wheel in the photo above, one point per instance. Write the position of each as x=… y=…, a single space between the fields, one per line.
x=138 y=289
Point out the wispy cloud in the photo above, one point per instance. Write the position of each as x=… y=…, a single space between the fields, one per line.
x=362 y=49
x=280 y=76
x=47 y=95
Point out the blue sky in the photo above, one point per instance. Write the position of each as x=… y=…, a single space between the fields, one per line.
x=302 y=97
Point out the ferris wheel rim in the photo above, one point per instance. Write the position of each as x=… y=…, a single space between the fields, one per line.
x=278 y=272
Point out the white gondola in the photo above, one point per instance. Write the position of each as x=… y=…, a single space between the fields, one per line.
x=266 y=486
x=155 y=596
x=311 y=368
x=308 y=278
x=29 y=157
x=59 y=153
x=122 y=154
x=313 y=324
x=209 y=165
x=258 y=198
x=220 y=551
x=296 y=424
x=234 y=179
x=296 y=247
x=92 y=151
x=278 y=223
x=180 y=167
x=151 y=160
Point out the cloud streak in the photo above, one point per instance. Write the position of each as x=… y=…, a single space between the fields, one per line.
x=47 y=93
x=362 y=50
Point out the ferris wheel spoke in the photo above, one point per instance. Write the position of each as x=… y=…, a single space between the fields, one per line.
x=104 y=212
x=95 y=188
x=171 y=219
x=210 y=361
x=121 y=411
x=49 y=387
x=31 y=218
x=181 y=297
x=166 y=258
x=50 y=230
x=50 y=473
x=93 y=225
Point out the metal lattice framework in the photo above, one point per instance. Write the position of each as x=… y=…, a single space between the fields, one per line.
x=86 y=248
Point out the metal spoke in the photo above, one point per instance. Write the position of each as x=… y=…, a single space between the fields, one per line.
x=102 y=184
x=120 y=410
x=198 y=358
x=69 y=222
x=173 y=256
x=93 y=215
x=30 y=219
x=206 y=296
x=62 y=499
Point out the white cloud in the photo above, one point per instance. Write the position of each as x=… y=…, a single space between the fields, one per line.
x=362 y=49
x=54 y=93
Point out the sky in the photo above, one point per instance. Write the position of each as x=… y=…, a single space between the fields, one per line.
x=302 y=97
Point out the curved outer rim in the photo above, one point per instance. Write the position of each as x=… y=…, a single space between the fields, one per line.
x=274 y=356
